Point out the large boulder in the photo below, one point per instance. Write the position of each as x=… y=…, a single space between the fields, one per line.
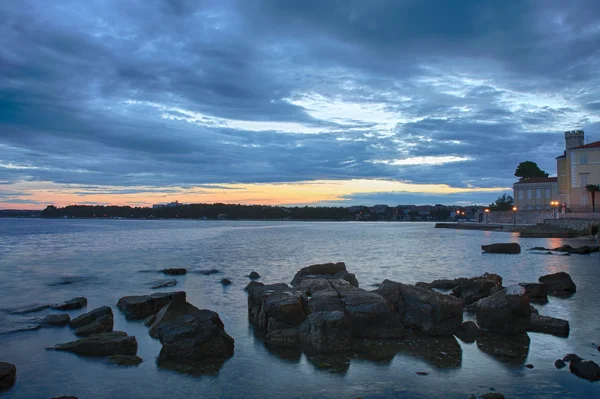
x=75 y=303
x=426 y=311
x=548 y=325
x=325 y=270
x=97 y=321
x=197 y=336
x=473 y=289
x=506 y=312
x=141 y=306
x=103 y=344
x=176 y=308
x=8 y=375
x=502 y=248
x=326 y=332
x=537 y=292
x=585 y=369
x=559 y=284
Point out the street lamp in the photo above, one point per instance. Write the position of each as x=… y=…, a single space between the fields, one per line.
x=554 y=205
x=515 y=215
x=486 y=215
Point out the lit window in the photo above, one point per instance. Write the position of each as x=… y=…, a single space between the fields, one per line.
x=583 y=159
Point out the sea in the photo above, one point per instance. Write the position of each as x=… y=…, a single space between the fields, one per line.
x=48 y=261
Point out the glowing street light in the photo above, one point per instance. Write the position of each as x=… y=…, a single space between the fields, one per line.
x=514 y=215
x=486 y=210
x=554 y=205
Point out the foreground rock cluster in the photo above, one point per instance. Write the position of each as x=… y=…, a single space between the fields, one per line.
x=324 y=310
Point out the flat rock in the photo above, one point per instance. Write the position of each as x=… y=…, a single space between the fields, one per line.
x=103 y=344
x=175 y=271
x=548 y=325
x=324 y=271
x=124 y=360
x=426 y=311
x=559 y=284
x=55 y=320
x=97 y=321
x=502 y=248
x=585 y=369
x=29 y=309
x=506 y=312
x=141 y=306
x=207 y=272
x=8 y=375
x=164 y=283
x=65 y=397
x=75 y=303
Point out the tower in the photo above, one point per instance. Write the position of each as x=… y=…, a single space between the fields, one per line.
x=573 y=139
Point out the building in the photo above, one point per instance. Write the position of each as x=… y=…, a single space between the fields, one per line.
x=168 y=205
x=535 y=193
x=576 y=168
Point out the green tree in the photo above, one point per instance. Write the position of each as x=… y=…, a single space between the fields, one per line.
x=503 y=203
x=593 y=188
x=526 y=170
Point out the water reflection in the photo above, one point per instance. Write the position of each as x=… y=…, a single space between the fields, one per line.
x=196 y=369
x=510 y=350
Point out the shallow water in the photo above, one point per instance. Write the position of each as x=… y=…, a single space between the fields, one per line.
x=45 y=261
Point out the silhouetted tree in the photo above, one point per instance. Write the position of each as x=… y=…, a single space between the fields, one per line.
x=526 y=170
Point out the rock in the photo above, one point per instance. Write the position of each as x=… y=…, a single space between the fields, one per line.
x=149 y=320
x=29 y=309
x=65 y=397
x=18 y=327
x=164 y=283
x=285 y=337
x=142 y=306
x=559 y=364
x=254 y=275
x=559 y=283
x=55 y=320
x=97 y=321
x=198 y=335
x=533 y=310
x=468 y=331
x=537 y=292
x=506 y=312
x=585 y=369
x=443 y=284
x=529 y=366
x=75 y=303
x=511 y=349
x=8 y=375
x=422 y=373
x=175 y=271
x=492 y=395
x=325 y=270
x=103 y=344
x=538 y=249
x=583 y=250
x=428 y=312
x=570 y=357
x=176 y=308
x=208 y=272
x=326 y=332
x=225 y=281
x=252 y=284
x=548 y=325
x=503 y=248
x=473 y=289
x=125 y=360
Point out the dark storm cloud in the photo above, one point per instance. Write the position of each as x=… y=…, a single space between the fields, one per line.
x=148 y=93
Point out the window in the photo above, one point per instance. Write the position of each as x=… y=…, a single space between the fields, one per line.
x=538 y=207
x=584 y=180
x=583 y=159
x=521 y=194
x=538 y=193
x=529 y=194
x=584 y=200
x=548 y=193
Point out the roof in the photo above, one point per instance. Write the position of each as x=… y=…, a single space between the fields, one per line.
x=595 y=144
x=539 y=180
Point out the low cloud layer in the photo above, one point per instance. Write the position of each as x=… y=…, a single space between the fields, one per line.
x=173 y=95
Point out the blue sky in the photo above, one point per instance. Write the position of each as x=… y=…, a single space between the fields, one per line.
x=269 y=101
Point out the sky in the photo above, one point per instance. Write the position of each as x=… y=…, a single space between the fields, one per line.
x=289 y=102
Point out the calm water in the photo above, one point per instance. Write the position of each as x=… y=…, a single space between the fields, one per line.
x=105 y=258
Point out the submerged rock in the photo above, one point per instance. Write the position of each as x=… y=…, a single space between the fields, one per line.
x=559 y=284
x=506 y=312
x=174 y=271
x=548 y=325
x=8 y=375
x=103 y=344
x=75 y=303
x=164 y=283
x=426 y=311
x=124 y=360
x=502 y=248
x=97 y=321
x=512 y=349
x=208 y=272
x=55 y=320
x=29 y=309
x=141 y=306
x=225 y=281
x=473 y=289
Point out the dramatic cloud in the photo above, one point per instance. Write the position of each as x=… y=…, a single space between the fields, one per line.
x=127 y=101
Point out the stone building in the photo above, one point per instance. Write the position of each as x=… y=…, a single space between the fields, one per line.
x=535 y=193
